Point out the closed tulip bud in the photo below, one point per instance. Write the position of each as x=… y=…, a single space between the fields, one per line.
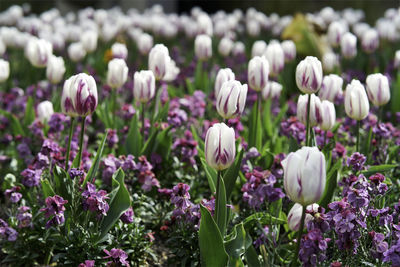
x=202 y=47
x=158 y=60
x=378 y=89
x=144 y=85
x=309 y=75
x=253 y=27
x=204 y=24
x=119 y=50
x=44 y=111
x=294 y=216
x=145 y=43
x=223 y=75
x=356 y=101
x=3 y=47
x=117 y=73
x=276 y=58
x=331 y=88
x=360 y=28
x=258 y=48
x=328 y=115
x=79 y=95
x=258 y=72
x=172 y=71
x=330 y=61
x=231 y=99
x=272 y=90
x=220 y=146
x=76 y=52
x=89 y=40
x=348 y=45
x=397 y=59
x=304 y=175
x=335 y=32
x=238 y=49
x=55 y=69
x=289 y=50
x=4 y=70
x=38 y=52
x=370 y=40
x=225 y=46
x=315 y=110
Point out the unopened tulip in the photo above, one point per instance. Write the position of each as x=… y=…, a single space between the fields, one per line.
x=309 y=75
x=258 y=48
x=328 y=115
x=225 y=46
x=356 y=101
x=289 y=50
x=44 y=111
x=204 y=24
x=295 y=213
x=378 y=89
x=331 y=88
x=158 y=60
x=397 y=59
x=220 y=146
x=370 y=40
x=117 y=73
x=304 y=175
x=330 y=61
x=276 y=58
x=2 y=47
x=272 y=90
x=89 y=40
x=231 y=99
x=203 y=47
x=223 y=75
x=76 y=52
x=172 y=71
x=38 y=52
x=238 y=49
x=119 y=50
x=315 y=109
x=348 y=45
x=55 y=69
x=335 y=32
x=4 y=70
x=79 y=95
x=145 y=43
x=144 y=85
x=258 y=71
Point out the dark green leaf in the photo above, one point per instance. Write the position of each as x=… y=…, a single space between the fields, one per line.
x=263 y=218
x=220 y=207
x=211 y=174
x=238 y=242
x=62 y=183
x=331 y=184
x=251 y=257
x=16 y=127
x=379 y=168
x=134 y=138
x=232 y=173
x=29 y=116
x=47 y=189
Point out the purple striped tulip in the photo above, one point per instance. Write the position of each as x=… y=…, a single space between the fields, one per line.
x=304 y=175
x=289 y=50
x=79 y=96
x=220 y=146
x=315 y=110
x=223 y=75
x=328 y=115
x=309 y=75
x=231 y=99
x=38 y=52
x=272 y=90
x=378 y=89
x=276 y=57
x=158 y=60
x=348 y=45
x=356 y=102
x=331 y=88
x=144 y=85
x=370 y=40
x=117 y=73
x=295 y=213
x=203 y=46
x=258 y=72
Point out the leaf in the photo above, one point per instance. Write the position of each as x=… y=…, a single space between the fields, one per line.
x=29 y=116
x=189 y=86
x=62 y=183
x=211 y=174
x=149 y=145
x=238 y=242
x=163 y=113
x=379 y=168
x=47 y=189
x=331 y=183
x=119 y=203
x=267 y=122
x=211 y=244
x=93 y=169
x=232 y=173
x=16 y=127
x=255 y=128
x=220 y=207
x=134 y=138
x=251 y=257
x=263 y=218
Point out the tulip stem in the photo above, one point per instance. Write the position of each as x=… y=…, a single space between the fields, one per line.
x=325 y=138
x=308 y=119
x=71 y=127
x=299 y=234
x=142 y=118
x=216 y=213
x=81 y=141
x=358 y=135
x=114 y=106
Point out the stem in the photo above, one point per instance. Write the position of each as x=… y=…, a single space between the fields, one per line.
x=71 y=127
x=258 y=103
x=114 y=106
x=142 y=118
x=325 y=138
x=216 y=214
x=81 y=141
x=308 y=118
x=358 y=135
x=300 y=233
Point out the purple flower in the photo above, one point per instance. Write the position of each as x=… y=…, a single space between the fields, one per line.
x=112 y=138
x=379 y=245
x=180 y=196
x=262 y=238
x=176 y=117
x=54 y=207
x=127 y=216
x=118 y=257
x=13 y=194
x=24 y=151
x=7 y=232
x=127 y=111
x=56 y=123
x=293 y=128
x=87 y=263
x=24 y=216
x=393 y=254
x=186 y=148
x=95 y=201
x=146 y=177
x=76 y=173
x=31 y=177
x=356 y=161
x=312 y=247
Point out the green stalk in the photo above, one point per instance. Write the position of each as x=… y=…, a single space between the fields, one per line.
x=81 y=141
x=300 y=233
x=142 y=118
x=358 y=135
x=216 y=214
x=308 y=119
x=71 y=127
x=325 y=138
x=114 y=106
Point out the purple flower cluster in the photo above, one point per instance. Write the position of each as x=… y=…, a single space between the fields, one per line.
x=252 y=153
x=356 y=161
x=95 y=201
x=54 y=207
x=112 y=138
x=7 y=232
x=118 y=257
x=87 y=263
x=176 y=115
x=195 y=104
x=12 y=194
x=293 y=128
x=57 y=123
x=262 y=238
x=186 y=148
x=127 y=216
x=31 y=177
x=379 y=245
x=24 y=217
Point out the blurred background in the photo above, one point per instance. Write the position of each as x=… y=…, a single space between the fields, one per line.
x=372 y=8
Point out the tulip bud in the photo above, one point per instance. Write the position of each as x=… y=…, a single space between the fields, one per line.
x=370 y=40
x=329 y=61
x=38 y=52
x=145 y=43
x=258 y=48
x=238 y=49
x=89 y=40
x=4 y=70
x=2 y=47
x=231 y=99
x=356 y=101
x=309 y=75
x=44 y=111
x=295 y=213
x=158 y=60
x=225 y=46
x=335 y=32
x=172 y=71
x=258 y=72
x=348 y=45
x=331 y=88
x=223 y=75
x=289 y=50
x=253 y=27
x=79 y=95
x=144 y=85
x=315 y=110
x=304 y=175
x=220 y=146
x=328 y=115
x=378 y=89
x=272 y=90
x=55 y=69
x=397 y=59
x=204 y=24
x=276 y=58
x=360 y=28
x=119 y=50
x=117 y=73
x=76 y=52
x=202 y=47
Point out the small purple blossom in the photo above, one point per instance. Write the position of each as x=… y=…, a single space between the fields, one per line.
x=118 y=257
x=95 y=201
x=24 y=216
x=31 y=177
x=87 y=263
x=54 y=207
x=13 y=194
x=127 y=216
x=356 y=161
